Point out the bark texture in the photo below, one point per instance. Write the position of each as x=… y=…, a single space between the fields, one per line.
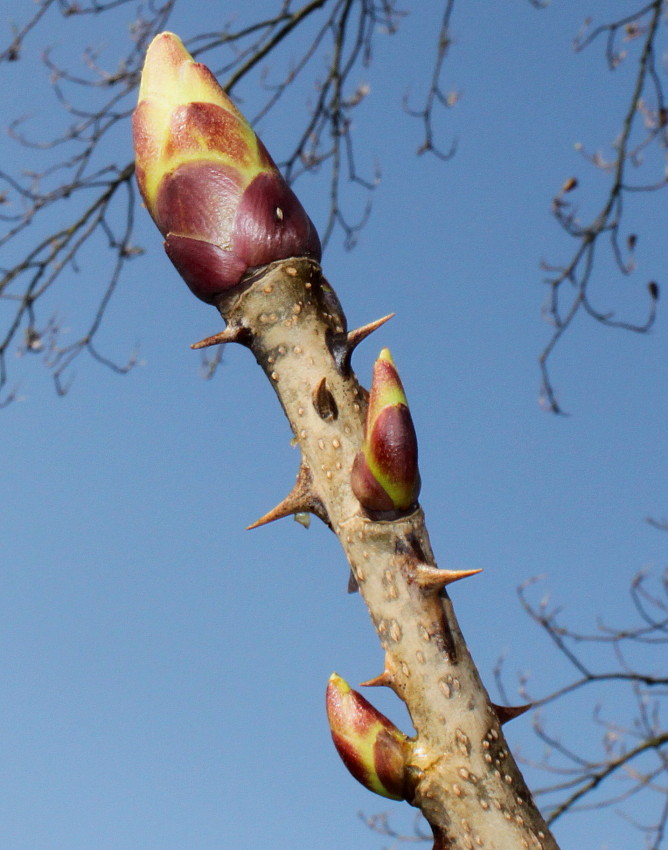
x=459 y=771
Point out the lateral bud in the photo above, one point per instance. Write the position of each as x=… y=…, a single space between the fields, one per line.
x=370 y=745
x=385 y=475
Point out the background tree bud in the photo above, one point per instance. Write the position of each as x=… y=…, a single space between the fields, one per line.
x=370 y=745
x=385 y=473
x=207 y=180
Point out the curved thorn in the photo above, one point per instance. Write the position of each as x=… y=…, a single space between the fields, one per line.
x=510 y=712
x=299 y=500
x=355 y=337
x=228 y=335
x=431 y=578
x=384 y=680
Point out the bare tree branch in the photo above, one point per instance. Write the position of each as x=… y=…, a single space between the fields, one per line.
x=100 y=196
x=436 y=94
x=643 y=125
x=633 y=758
x=380 y=825
x=326 y=43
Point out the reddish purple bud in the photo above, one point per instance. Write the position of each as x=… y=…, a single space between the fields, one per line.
x=370 y=745
x=207 y=180
x=385 y=474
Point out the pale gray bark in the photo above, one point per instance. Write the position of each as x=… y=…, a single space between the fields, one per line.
x=460 y=770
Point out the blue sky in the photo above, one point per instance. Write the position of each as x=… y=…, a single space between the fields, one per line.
x=162 y=669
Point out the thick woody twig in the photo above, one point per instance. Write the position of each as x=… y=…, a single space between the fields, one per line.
x=460 y=771
x=359 y=457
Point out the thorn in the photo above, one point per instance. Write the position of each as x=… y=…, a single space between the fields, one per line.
x=230 y=334
x=299 y=500
x=431 y=578
x=385 y=680
x=359 y=334
x=510 y=712
x=343 y=344
x=353 y=586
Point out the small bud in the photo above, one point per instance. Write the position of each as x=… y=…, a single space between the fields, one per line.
x=370 y=745
x=207 y=180
x=569 y=184
x=385 y=474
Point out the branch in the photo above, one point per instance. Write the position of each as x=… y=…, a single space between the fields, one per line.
x=578 y=776
x=578 y=271
x=596 y=777
x=327 y=42
x=436 y=95
x=100 y=196
x=459 y=770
